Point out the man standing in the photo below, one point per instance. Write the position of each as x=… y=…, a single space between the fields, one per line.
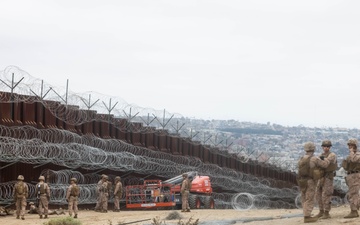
x=98 y=186
x=43 y=195
x=104 y=195
x=117 y=194
x=309 y=173
x=185 y=188
x=325 y=186
x=352 y=165
x=72 y=194
x=21 y=193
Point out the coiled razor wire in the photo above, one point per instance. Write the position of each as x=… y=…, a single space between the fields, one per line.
x=58 y=182
x=29 y=145
x=78 y=108
x=60 y=147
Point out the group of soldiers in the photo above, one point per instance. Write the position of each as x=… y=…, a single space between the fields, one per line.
x=316 y=176
x=103 y=191
x=21 y=193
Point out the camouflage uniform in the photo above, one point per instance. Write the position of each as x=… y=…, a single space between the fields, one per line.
x=325 y=186
x=352 y=166
x=185 y=188
x=21 y=192
x=33 y=209
x=98 y=186
x=43 y=192
x=72 y=195
x=103 y=195
x=307 y=182
x=117 y=194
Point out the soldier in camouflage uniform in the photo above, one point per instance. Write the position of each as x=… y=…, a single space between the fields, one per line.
x=185 y=188
x=43 y=195
x=98 y=186
x=21 y=193
x=308 y=175
x=325 y=186
x=352 y=165
x=33 y=209
x=104 y=195
x=117 y=194
x=72 y=195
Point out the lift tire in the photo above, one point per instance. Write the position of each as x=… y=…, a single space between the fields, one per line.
x=194 y=202
x=209 y=202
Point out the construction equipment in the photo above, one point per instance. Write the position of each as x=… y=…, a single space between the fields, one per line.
x=157 y=193
x=152 y=194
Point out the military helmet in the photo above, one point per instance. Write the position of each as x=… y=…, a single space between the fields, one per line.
x=31 y=203
x=105 y=177
x=20 y=177
x=326 y=143
x=41 y=178
x=352 y=141
x=73 y=179
x=309 y=147
x=117 y=178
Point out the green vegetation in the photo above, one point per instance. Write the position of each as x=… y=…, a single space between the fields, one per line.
x=191 y=221
x=174 y=215
x=63 y=221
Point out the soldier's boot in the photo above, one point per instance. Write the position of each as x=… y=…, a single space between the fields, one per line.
x=40 y=216
x=320 y=214
x=309 y=219
x=75 y=216
x=352 y=214
x=188 y=210
x=23 y=218
x=326 y=215
x=17 y=217
x=46 y=217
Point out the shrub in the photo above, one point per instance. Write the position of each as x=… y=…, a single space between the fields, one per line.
x=63 y=221
x=174 y=215
x=191 y=221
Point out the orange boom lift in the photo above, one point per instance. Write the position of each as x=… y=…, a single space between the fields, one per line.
x=157 y=193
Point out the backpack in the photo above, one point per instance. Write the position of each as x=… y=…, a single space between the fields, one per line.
x=41 y=188
x=189 y=184
x=20 y=188
x=75 y=190
x=304 y=167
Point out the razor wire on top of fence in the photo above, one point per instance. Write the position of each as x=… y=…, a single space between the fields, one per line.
x=79 y=108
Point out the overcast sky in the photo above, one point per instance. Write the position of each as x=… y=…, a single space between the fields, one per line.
x=284 y=62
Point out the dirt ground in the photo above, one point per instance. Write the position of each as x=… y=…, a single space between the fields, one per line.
x=209 y=217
